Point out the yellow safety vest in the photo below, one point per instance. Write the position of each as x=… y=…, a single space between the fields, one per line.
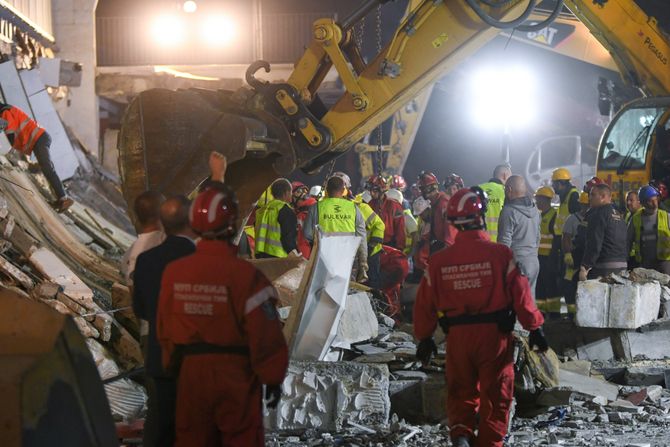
x=663 y=235
x=563 y=212
x=337 y=216
x=547 y=232
x=374 y=226
x=268 y=230
x=408 y=234
x=496 y=196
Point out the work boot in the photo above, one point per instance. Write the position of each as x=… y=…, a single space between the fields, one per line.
x=61 y=205
x=461 y=441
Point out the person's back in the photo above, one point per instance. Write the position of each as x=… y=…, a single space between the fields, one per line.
x=524 y=234
x=394 y=220
x=495 y=192
x=149 y=234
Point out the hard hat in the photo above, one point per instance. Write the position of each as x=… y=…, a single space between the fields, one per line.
x=297 y=185
x=426 y=179
x=584 y=198
x=398 y=182
x=378 y=182
x=420 y=205
x=647 y=192
x=465 y=206
x=561 y=174
x=545 y=191
x=214 y=212
x=315 y=191
x=345 y=178
x=454 y=179
x=661 y=187
x=593 y=181
x=395 y=195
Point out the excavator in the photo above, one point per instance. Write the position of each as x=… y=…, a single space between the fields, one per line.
x=268 y=129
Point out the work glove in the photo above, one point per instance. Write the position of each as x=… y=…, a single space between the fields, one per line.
x=537 y=339
x=567 y=259
x=583 y=273
x=426 y=350
x=272 y=395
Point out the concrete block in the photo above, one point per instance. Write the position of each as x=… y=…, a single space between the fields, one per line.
x=651 y=341
x=326 y=396
x=587 y=385
x=645 y=375
x=582 y=367
x=592 y=304
x=650 y=275
x=620 y=306
x=434 y=398
x=597 y=350
x=358 y=322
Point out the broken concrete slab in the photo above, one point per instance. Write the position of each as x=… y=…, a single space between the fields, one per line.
x=651 y=341
x=582 y=367
x=587 y=385
x=326 y=396
x=358 y=322
x=645 y=375
x=642 y=274
x=622 y=306
x=598 y=350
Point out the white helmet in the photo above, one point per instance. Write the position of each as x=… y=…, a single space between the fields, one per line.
x=345 y=178
x=420 y=205
x=395 y=195
x=315 y=191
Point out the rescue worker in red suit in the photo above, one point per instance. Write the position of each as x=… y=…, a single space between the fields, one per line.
x=218 y=326
x=301 y=203
x=394 y=269
x=442 y=233
x=393 y=216
x=27 y=137
x=475 y=291
x=377 y=185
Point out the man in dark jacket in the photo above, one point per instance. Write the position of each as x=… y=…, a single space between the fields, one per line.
x=159 y=429
x=519 y=228
x=606 y=249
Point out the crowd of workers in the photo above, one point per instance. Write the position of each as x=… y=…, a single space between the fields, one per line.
x=484 y=257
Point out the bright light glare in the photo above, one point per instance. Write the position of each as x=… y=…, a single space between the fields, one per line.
x=190 y=6
x=218 y=30
x=168 y=30
x=504 y=97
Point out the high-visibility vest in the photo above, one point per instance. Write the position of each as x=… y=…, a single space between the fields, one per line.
x=662 y=238
x=496 y=196
x=374 y=225
x=563 y=212
x=337 y=216
x=547 y=232
x=22 y=131
x=268 y=230
x=410 y=222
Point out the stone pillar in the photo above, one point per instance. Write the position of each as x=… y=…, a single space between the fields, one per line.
x=74 y=30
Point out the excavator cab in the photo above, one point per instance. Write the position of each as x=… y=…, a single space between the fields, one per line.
x=635 y=147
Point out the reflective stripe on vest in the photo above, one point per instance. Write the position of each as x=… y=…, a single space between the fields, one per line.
x=337 y=216
x=408 y=235
x=24 y=130
x=374 y=226
x=268 y=230
x=546 y=233
x=563 y=212
x=662 y=238
x=496 y=196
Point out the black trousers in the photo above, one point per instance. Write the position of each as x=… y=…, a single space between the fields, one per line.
x=41 y=151
x=374 y=270
x=159 y=426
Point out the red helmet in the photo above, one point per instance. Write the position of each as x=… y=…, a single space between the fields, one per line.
x=661 y=187
x=379 y=182
x=297 y=185
x=454 y=180
x=399 y=183
x=427 y=179
x=214 y=212
x=593 y=181
x=465 y=206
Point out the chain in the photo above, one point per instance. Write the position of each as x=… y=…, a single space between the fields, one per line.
x=359 y=34
x=380 y=151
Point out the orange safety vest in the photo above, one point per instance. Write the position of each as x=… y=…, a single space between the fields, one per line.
x=22 y=131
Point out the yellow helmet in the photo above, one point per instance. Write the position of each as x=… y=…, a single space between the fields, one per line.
x=584 y=198
x=545 y=191
x=561 y=174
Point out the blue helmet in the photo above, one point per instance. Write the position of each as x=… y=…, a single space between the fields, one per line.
x=647 y=192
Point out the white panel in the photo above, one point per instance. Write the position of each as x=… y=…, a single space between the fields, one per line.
x=12 y=88
x=32 y=83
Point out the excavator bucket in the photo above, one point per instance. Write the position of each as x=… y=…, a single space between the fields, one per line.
x=166 y=138
x=51 y=390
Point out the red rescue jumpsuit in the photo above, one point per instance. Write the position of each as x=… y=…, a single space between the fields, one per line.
x=301 y=211
x=394 y=221
x=476 y=276
x=394 y=269
x=376 y=205
x=215 y=298
x=440 y=228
